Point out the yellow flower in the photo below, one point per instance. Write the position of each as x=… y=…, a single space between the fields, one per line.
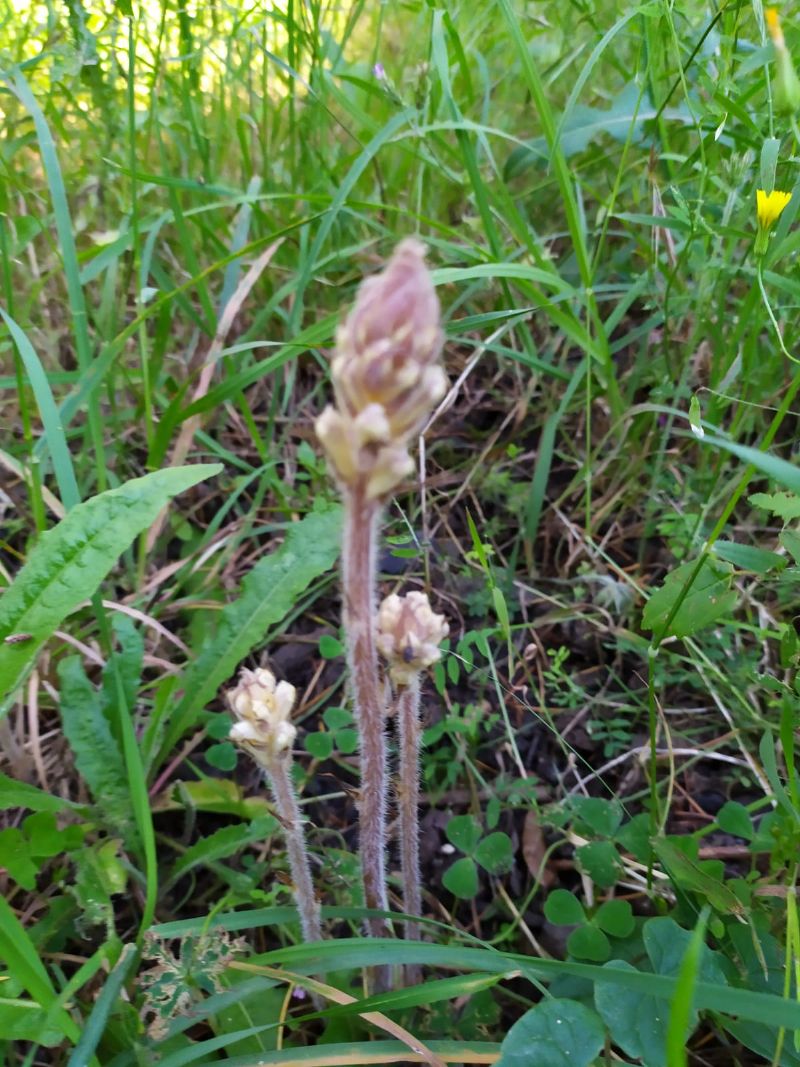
x=774 y=26
x=769 y=206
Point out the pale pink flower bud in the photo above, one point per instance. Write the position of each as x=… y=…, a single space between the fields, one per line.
x=409 y=634
x=385 y=371
x=399 y=306
x=263 y=708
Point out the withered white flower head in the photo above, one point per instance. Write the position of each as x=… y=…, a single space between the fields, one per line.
x=262 y=707
x=385 y=373
x=409 y=634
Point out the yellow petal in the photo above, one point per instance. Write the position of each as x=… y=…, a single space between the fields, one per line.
x=769 y=206
x=774 y=27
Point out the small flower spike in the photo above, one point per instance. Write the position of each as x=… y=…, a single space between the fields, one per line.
x=262 y=707
x=409 y=635
x=385 y=374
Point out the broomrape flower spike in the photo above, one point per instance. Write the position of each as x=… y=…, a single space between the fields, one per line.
x=386 y=381
x=385 y=374
x=262 y=707
x=409 y=633
x=768 y=210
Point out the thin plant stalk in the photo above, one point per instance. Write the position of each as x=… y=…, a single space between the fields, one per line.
x=409 y=734
x=285 y=799
x=263 y=707
x=408 y=638
x=358 y=581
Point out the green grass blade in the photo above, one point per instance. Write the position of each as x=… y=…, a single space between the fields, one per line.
x=95 y=1024
x=53 y=430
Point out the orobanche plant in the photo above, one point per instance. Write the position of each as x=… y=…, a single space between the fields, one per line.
x=386 y=379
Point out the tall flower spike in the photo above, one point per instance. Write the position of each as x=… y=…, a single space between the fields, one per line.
x=386 y=380
x=262 y=707
x=385 y=374
x=409 y=633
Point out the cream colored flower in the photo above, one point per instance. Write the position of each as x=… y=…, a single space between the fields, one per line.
x=385 y=374
x=409 y=635
x=263 y=708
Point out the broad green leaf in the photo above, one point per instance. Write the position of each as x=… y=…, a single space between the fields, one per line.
x=127 y=664
x=589 y=943
x=464 y=832
x=625 y=117
x=319 y=745
x=615 y=917
x=599 y=815
x=224 y=843
x=269 y=592
x=600 y=860
x=347 y=740
x=556 y=1033
x=223 y=756
x=785 y=505
x=563 y=908
x=769 y=161
x=97 y=753
x=335 y=718
x=71 y=560
x=748 y=557
x=15 y=857
x=637 y=1021
x=461 y=878
x=667 y=943
x=495 y=853
x=219 y=795
x=99 y=874
x=709 y=598
x=634 y=837
x=24 y=1020
x=330 y=647
x=734 y=818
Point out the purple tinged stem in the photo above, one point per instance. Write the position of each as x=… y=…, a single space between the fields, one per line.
x=278 y=774
x=358 y=579
x=408 y=795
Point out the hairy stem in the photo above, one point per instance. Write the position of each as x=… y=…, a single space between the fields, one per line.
x=358 y=578
x=409 y=737
x=283 y=794
x=288 y=810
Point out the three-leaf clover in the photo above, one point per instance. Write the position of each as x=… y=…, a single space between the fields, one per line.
x=494 y=853
x=589 y=939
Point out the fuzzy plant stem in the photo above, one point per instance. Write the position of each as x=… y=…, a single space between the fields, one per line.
x=279 y=777
x=409 y=737
x=359 y=558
